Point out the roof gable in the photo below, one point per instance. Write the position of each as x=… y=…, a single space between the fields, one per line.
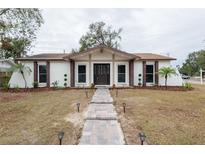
x=101 y=49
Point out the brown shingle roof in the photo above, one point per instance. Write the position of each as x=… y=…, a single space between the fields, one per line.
x=65 y=56
x=151 y=56
x=46 y=56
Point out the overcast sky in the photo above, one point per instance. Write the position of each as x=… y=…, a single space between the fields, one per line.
x=176 y=32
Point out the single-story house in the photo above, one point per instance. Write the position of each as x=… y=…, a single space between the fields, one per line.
x=99 y=66
x=5 y=65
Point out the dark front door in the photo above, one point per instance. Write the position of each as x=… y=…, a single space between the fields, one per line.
x=102 y=74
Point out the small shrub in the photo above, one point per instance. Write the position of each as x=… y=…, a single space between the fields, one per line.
x=55 y=84
x=65 y=75
x=35 y=84
x=5 y=86
x=4 y=80
x=113 y=86
x=65 y=79
x=139 y=75
x=65 y=84
x=139 y=83
x=92 y=85
x=16 y=88
x=187 y=86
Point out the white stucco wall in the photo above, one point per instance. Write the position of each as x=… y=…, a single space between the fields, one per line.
x=57 y=71
x=138 y=70
x=174 y=80
x=17 y=79
x=102 y=56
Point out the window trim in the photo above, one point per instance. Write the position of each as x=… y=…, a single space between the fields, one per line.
x=121 y=73
x=82 y=73
x=39 y=74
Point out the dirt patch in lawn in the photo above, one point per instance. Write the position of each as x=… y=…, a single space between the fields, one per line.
x=37 y=117
x=166 y=117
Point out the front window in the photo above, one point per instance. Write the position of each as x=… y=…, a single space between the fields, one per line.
x=149 y=73
x=81 y=73
x=121 y=73
x=42 y=74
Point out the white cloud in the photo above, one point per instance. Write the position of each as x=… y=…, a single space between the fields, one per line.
x=174 y=31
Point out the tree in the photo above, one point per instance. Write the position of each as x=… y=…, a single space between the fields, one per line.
x=14 y=47
x=193 y=63
x=18 y=28
x=166 y=72
x=99 y=34
x=22 y=69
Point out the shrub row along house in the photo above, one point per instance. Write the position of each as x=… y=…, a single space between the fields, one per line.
x=96 y=66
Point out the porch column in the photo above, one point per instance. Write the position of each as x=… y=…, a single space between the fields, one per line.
x=72 y=73
x=156 y=64
x=144 y=72
x=48 y=73
x=131 y=72
x=113 y=69
x=35 y=71
x=90 y=69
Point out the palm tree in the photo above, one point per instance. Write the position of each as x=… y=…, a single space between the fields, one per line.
x=22 y=69
x=167 y=72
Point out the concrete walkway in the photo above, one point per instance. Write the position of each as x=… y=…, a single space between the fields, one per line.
x=101 y=126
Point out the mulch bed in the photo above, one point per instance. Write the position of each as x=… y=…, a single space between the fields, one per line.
x=169 y=88
x=20 y=90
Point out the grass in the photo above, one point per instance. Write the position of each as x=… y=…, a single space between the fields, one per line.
x=37 y=117
x=166 y=117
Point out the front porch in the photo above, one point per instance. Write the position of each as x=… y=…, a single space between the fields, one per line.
x=106 y=67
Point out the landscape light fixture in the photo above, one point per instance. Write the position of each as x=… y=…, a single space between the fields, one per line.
x=142 y=137
x=116 y=92
x=78 y=107
x=60 y=137
x=124 y=106
x=86 y=93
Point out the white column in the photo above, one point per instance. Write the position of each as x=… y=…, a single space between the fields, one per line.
x=89 y=70
x=113 y=69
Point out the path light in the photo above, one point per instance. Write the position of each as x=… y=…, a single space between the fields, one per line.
x=60 y=137
x=124 y=105
x=78 y=107
x=86 y=93
x=142 y=137
x=116 y=92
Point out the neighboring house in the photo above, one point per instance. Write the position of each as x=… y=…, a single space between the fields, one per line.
x=99 y=66
x=5 y=65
